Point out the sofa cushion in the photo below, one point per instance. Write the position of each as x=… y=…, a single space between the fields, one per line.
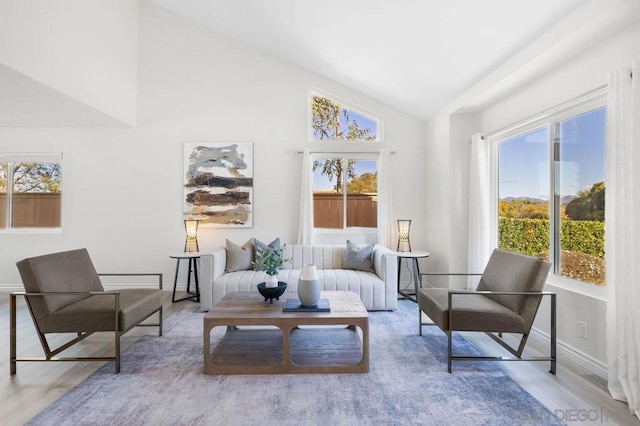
x=261 y=249
x=358 y=258
x=367 y=284
x=239 y=258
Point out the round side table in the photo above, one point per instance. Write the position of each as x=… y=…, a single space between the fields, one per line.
x=192 y=259
x=413 y=257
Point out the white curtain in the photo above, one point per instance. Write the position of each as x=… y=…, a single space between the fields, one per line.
x=385 y=205
x=305 y=227
x=479 y=207
x=622 y=242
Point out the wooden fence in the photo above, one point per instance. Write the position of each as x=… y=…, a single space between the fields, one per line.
x=32 y=210
x=362 y=210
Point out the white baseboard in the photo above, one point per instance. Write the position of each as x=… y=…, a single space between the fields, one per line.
x=8 y=288
x=569 y=354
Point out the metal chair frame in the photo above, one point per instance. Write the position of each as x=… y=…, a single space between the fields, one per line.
x=517 y=353
x=49 y=353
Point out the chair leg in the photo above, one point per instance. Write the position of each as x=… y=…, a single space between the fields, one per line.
x=449 y=351
x=117 y=352
x=160 y=322
x=12 y=333
x=552 y=370
x=419 y=322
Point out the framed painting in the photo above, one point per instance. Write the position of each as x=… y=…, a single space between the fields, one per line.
x=218 y=183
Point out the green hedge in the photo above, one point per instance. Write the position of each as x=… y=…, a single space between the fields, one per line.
x=531 y=236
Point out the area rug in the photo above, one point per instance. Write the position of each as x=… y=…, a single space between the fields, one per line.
x=162 y=383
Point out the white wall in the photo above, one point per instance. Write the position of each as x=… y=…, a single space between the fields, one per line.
x=573 y=76
x=122 y=188
x=86 y=49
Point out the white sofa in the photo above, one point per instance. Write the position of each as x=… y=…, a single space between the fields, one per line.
x=377 y=290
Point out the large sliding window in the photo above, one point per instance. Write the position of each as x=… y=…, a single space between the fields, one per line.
x=551 y=186
x=30 y=191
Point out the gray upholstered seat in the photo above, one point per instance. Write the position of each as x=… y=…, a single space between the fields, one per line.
x=65 y=295
x=506 y=301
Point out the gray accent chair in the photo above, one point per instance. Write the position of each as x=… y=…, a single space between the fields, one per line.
x=506 y=301
x=64 y=294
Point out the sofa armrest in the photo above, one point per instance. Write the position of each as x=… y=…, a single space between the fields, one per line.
x=382 y=260
x=212 y=265
x=385 y=265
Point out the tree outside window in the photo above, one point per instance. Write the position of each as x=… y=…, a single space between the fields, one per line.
x=345 y=195
x=331 y=121
x=30 y=195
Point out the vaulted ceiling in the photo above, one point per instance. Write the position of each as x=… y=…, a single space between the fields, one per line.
x=416 y=55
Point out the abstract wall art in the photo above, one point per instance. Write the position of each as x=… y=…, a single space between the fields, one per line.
x=218 y=183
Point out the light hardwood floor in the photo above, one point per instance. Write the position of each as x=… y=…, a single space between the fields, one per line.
x=37 y=385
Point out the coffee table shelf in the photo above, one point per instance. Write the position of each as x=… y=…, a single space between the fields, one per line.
x=291 y=347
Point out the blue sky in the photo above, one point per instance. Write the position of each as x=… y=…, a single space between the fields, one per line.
x=363 y=122
x=524 y=159
x=321 y=182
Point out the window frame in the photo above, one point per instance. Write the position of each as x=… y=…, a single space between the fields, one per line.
x=14 y=158
x=347 y=105
x=595 y=100
x=360 y=230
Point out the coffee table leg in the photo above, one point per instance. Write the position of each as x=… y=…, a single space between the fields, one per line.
x=206 y=348
x=365 y=345
x=286 y=345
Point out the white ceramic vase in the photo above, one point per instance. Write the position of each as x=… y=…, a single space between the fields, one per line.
x=309 y=286
x=271 y=281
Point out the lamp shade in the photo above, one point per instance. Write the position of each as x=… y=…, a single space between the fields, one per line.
x=191 y=236
x=404 y=227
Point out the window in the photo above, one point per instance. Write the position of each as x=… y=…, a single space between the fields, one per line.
x=334 y=121
x=345 y=193
x=551 y=186
x=30 y=191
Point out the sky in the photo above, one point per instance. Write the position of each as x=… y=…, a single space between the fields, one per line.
x=524 y=159
x=363 y=122
x=321 y=182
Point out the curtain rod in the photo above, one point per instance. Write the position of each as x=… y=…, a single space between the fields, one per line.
x=543 y=113
x=344 y=152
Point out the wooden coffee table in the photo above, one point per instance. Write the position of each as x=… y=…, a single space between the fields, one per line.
x=292 y=347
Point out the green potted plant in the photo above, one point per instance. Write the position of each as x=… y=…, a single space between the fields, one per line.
x=270 y=260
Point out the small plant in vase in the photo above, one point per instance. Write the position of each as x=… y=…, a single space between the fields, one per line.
x=270 y=260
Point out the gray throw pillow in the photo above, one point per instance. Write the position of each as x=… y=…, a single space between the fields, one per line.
x=262 y=248
x=239 y=258
x=358 y=258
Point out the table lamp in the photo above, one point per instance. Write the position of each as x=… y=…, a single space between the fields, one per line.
x=404 y=226
x=191 y=232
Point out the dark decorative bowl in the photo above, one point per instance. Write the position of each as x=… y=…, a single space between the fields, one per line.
x=270 y=293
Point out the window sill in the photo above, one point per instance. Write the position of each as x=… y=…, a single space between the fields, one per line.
x=340 y=236
x=353 y=230
x=31 y=231
x=579 y=287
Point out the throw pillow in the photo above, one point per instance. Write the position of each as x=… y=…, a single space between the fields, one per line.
x=239 y=258
x=358 y=258
x=262 y=248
